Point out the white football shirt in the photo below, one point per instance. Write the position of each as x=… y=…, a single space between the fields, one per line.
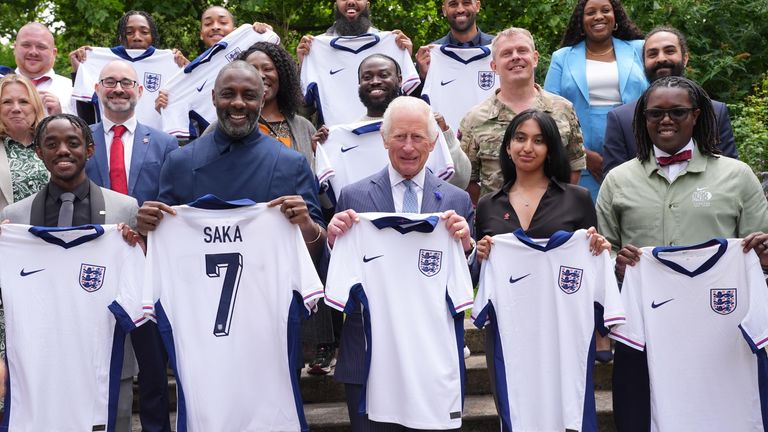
x=691 y=309
x=64 y=348
x=229 y=287
x=540 y=300
x=189 y=91
x=154 y=67
x=329 y=78
x=458 y=79
x=412 y=280
x=355 y=151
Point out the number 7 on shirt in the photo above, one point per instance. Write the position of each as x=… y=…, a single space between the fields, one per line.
x=232 y=263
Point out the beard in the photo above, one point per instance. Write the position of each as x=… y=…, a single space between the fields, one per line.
x=356 y=27
x=378 y=105
x=233 y=131
x=677 y=69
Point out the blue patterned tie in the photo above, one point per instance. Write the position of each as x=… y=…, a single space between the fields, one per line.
x=410 y=201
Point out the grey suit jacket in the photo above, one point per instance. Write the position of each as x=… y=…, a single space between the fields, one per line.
x=374 y=194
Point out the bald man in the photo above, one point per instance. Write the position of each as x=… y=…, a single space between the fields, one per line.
x=35 y=53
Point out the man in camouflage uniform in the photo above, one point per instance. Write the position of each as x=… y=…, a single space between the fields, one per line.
x=482 y=129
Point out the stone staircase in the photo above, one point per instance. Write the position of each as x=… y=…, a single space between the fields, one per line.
x=326 y=410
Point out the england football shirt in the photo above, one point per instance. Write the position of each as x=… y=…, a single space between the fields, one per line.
x=701 y=314
x=413 y=283
x=64 y=348
x=189 y=91
x=229 y=284
x=355 y=151
x=329 y=78
x=543 y=300
x=153 y=67
x=458 y=79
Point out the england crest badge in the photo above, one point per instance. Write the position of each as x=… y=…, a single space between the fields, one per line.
x=430 y=262
x=152 y=81
x=232 y=55
x=486 y=79
x=92 y=277
x=722 y=300
x=570 y=279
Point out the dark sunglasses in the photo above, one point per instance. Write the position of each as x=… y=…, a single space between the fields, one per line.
x=675 y=114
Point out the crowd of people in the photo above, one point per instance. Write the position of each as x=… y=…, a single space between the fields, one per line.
x=616 y=142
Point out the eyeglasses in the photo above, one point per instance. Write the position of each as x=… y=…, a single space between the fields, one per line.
x=124 y=83
x=675 y=114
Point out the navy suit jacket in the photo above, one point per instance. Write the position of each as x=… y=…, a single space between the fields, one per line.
x=374 y=194
x=149 y=152
x=620 y=145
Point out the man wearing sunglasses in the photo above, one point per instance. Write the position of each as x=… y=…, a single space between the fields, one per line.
x=128 y=157
x=665 y=53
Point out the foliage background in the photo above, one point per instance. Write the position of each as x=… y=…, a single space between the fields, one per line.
x=728 y=40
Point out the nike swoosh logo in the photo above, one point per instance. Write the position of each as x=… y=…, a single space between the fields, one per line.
x=513 y=280
x=23 y=273
x=445 y=83
x=698 y=189
x=344 y=150
x=199 y=89
x=366 y=259
x=654 y=305
x=334 y=72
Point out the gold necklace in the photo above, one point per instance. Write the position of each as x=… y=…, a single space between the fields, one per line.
x=608 y=51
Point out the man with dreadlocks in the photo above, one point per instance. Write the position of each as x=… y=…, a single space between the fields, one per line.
x=678 y=191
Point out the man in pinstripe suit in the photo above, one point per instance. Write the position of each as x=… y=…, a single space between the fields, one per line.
x=409 y=136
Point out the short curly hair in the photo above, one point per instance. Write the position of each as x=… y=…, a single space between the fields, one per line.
x=289 y=91
x=625 y=27
x=122 y=25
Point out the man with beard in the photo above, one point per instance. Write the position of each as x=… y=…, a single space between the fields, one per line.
x=238 y=161
x=353 y=18
x=461 y=16
x=665 y=53
x=134 y=170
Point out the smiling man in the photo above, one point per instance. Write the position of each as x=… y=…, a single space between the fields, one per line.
x=514 y=60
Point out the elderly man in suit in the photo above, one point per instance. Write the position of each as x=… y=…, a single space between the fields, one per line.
x=665 y=53
x=409 y=136
x=128 y=159
x=64 y=142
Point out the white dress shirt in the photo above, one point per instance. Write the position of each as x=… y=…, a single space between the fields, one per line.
x=399 y=188
x=130 y=126
x=59 y=86
x=671 y=171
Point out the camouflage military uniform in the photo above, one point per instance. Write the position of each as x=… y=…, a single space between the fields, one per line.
x=482 y=130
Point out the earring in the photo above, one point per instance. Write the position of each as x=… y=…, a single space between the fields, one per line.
x=615 y=26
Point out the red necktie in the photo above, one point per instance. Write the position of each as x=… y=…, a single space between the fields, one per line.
x=42 y=79
x=117 y=177
x=669 y=160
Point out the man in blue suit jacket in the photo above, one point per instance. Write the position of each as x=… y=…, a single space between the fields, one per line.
x=409 y=136
x=145 y=151
x=665 y=53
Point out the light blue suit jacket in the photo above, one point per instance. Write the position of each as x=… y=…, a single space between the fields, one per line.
x=567 y=77
x=149 y=152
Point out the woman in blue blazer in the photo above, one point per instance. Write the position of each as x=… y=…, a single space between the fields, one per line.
x=598 y=67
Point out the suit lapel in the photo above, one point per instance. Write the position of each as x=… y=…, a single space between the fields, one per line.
x=577 y=65
x=37 y=211
x=623 y=51
x=98 y=205
x=381 y=192
x=430 y=201
x=102 y=158
x=139 y=152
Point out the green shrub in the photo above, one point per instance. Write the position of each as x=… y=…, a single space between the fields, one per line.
x=750 y=127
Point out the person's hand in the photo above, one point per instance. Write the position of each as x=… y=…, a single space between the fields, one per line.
x=595 y=164
x=458 y=228
x=597 y=243
x=150 y=214
x=441 y=121
x=340 y=224
x=302 y=49
x=757 y=241
x=484 y=248
x=162 y=100
x=319 y=137
x=423 y=58
x=180 y=60
x=260 y=27
x=403 y=42
x=78 y=56
x=628 y=256
x=295 y=209
x=132 y=237
x=50 y=102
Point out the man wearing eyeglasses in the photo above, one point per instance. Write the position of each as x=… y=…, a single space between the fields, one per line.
x=128 y=157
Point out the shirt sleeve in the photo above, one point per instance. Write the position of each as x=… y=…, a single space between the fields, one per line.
x=632 y=333
x=323 y=166
x=459 y=282
x=306 y=281
x=574 y=148
x=440 y=161
x=176 y=115
x=754 y=326
x=470 y=147
x=344 y=270
x=485 y=291
x=608 y=292
x=87 y=76
x=128 y=307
